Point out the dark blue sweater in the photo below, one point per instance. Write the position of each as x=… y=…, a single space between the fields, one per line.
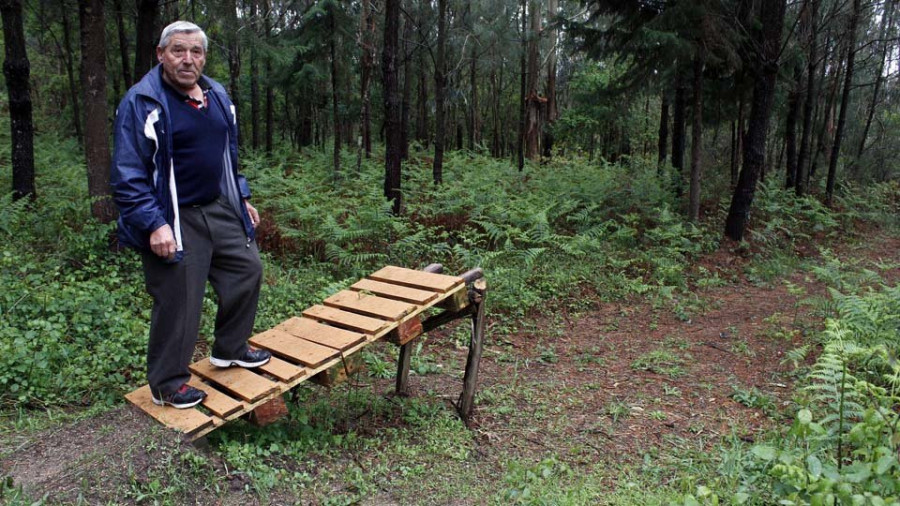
x=199 y=138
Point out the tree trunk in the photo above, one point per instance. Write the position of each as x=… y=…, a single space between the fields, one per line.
x=809 y=100
x=440 y=80
x=697 y=137
x=422 y=102
x=234 y=58
x=127 y=77
x=473 y=101
x=826 y=111
x=146 y=37
x=552 y=113
x=790 y=129
x=679 y=136
x=533 y=102
x=96 y=138
x=522 y=94
x=408 y=53
x=17 y=71
x=845 y=104
x=70 y=72
x=254 y=81
x=270 y=90
x=887 y=24
x=367 y=47
x=391 y=104
x=738 y=150
x=769 y=43
x=336 y=155
x=662 y=143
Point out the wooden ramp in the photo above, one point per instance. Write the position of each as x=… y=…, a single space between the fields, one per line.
x=306 y=345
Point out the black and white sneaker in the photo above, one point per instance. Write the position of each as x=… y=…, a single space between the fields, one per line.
x=251 y=358
x=186 y=397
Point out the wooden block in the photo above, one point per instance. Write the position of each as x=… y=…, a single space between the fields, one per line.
x=326 y=335
x=187 y=421
x=406 y=331
x=282 y=370
x=344 y=319
x=269 y=412
x=458 y=300
x=216 y=402
x=416 y=279
x=370 y=305
x=293 y=348
x=396 y=292
x=244 y=383
x=340 y=372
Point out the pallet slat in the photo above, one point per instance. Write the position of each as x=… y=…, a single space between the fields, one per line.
x=345 y=319
x=416 y=279
x=187 y=421
x=326 y=335
x=293 y=348
x=281 y=370
x=370 y=305
x=244 y=383
x=218 y=403
x=392 y=291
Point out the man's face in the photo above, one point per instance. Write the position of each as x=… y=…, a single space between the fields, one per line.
x=183 y=60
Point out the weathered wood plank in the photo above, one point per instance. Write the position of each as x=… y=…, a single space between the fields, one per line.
x=416 y=279
x=370 y=305
x=396 y=292
x=284 y=371
x=244 y=383
x=187 y=421
x=293 y=348
x=345 y=319
x=216 y=402
x=326 y=335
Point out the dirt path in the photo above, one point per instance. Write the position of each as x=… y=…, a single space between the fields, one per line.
x=612 y=383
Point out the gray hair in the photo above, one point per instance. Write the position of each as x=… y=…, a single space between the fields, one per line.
x=181 y=27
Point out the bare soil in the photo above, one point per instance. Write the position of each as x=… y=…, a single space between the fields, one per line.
x=606 y=384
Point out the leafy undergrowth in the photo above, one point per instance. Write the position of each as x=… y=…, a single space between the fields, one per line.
x=558 y=243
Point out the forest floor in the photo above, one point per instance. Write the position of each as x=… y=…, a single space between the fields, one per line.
x=611 y=386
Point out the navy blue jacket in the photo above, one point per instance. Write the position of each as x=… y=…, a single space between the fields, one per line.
x=142 y=172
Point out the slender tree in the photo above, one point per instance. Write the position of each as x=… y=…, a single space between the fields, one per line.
x=17 y=70
x=765 y=63
x=809 y=100
x=389 y=63
x=696 y=135
x=440 y=82
x=96 y=136
x=145 y=39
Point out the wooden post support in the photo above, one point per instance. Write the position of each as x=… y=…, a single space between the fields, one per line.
x=406 y=331
x=269 y=412
x=402 y=387
x=470 y=380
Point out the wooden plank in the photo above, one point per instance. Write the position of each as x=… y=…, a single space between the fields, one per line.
x=326 y=335
x=293 y=348
x=370 y=305
x=396 y=292
x=218 y=403
x=244 y=383
x=416 y=279
x=345 y=319
x=284 y=371
x=187 y=421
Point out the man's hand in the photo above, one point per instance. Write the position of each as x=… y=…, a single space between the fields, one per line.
x=162 y=242
x=254 y=214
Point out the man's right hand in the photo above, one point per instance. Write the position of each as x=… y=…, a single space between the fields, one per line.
x=162 y=242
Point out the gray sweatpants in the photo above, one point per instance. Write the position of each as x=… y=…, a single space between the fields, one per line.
x=215 y=249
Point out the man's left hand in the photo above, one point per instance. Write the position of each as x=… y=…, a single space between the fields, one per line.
x=254 y=214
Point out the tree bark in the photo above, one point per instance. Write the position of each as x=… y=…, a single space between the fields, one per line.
x=522 y=94
x=679 y=136
x=391 y=104
x=96 y=137
x=809 y=100
x=254 y=79
x=697 y=137
x=367 y=46
x=845 y=104
x=145 y=40
x=790 y=129
x=234 y=58
x=270 y=90
x=662 y=143
x=332 y=43
x=769 y=43
x=127 y=77
x=408 y=53
x=532 y=100
x=440 y=81
x=17 y=71
x=422 y=102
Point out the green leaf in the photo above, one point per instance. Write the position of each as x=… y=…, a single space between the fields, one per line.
x=814 y=466
x=884 y=464
x=804 y=416
x=764 y=452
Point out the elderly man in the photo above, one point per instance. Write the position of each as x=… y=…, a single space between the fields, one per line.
x=183 y=204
